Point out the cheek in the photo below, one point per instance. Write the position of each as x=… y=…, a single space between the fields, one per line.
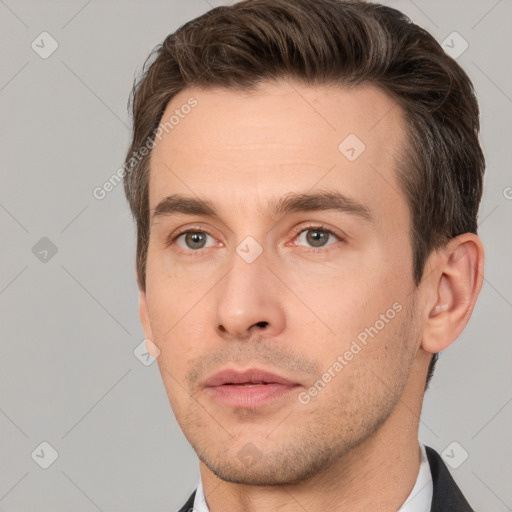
x=170 y=298
x=363 y=321
x=169 y=310
x=375 y=362
x=336 y=305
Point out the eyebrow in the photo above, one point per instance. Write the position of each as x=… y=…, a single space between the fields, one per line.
x=291 y=203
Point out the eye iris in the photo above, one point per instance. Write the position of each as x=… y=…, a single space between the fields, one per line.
x=316 y=237
x=195 y=238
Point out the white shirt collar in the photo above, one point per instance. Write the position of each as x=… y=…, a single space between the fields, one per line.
x=419 y=500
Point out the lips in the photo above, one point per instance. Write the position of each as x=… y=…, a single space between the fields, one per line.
x=248 y=389
x=247 y=377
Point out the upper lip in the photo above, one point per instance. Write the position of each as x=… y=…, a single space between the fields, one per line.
x=230 y=376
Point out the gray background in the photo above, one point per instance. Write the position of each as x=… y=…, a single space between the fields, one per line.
x=69 y=321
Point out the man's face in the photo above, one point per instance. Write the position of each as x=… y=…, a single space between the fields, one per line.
x=320 y=297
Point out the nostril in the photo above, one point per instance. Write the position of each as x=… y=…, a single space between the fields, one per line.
x=262 y=324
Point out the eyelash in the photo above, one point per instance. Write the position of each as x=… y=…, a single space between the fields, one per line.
x=297 y=232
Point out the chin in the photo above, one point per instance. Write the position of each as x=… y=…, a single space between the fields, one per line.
x=286 y=467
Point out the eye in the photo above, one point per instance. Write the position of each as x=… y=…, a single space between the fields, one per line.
x=192 y=240
x=316 y=236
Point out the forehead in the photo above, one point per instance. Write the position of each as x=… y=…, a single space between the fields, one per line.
x=281 y=137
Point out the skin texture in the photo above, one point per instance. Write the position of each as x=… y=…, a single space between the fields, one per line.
x=299 y=305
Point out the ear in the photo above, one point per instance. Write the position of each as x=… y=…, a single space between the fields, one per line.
x=456 y=283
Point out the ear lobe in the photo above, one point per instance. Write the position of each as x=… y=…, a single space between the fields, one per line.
x=456 y=289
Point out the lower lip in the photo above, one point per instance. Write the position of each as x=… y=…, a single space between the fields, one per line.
x=250 y=397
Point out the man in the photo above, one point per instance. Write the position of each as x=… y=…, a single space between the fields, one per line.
x=305 y=176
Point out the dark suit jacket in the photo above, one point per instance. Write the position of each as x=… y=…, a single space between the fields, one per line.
x=447 y=497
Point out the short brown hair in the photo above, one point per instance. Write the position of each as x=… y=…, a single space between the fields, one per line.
x=344 y=42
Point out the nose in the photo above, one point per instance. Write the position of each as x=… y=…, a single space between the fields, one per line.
x=250 y=300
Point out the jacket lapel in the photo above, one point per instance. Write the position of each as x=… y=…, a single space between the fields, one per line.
x=446 y=494
x=189 y=505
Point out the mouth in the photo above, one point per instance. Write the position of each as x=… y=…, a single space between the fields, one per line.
x=248 y=389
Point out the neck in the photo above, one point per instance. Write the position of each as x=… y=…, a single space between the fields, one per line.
x=378 y=474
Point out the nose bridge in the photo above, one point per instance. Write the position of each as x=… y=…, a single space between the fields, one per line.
x=249 y=293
